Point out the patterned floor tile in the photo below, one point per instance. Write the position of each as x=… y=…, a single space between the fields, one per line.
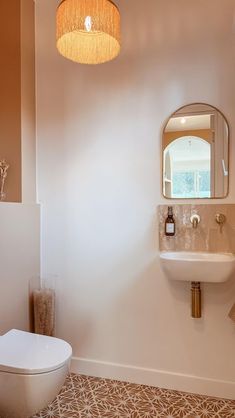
x=91 y=397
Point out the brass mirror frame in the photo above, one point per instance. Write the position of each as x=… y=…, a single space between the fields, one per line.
x=162 y=158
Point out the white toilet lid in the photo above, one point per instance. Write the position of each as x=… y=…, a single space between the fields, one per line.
x=26 y=353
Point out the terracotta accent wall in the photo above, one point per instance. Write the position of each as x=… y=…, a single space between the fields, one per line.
x=169 y=137
x=10 y=97
x=206 y=237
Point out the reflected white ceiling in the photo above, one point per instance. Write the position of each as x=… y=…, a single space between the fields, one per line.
x=188 y=123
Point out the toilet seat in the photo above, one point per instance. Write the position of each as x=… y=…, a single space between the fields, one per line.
x=26 y=353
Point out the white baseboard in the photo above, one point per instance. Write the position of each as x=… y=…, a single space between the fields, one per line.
x=156 y=378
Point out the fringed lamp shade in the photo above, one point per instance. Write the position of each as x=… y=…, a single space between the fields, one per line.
x=88 y=31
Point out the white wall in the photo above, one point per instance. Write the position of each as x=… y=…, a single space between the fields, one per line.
x=98 y=157
x=19 y=261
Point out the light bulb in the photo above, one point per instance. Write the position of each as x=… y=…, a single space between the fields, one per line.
x=88 y=23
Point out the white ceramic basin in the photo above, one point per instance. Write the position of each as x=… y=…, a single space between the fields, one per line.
x=198 y=267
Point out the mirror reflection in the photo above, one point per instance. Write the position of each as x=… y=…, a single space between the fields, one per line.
x=195 y=153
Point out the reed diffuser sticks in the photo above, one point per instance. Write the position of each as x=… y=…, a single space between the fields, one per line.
x=3 y=175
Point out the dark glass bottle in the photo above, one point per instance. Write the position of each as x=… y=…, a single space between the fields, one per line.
x=170 y=223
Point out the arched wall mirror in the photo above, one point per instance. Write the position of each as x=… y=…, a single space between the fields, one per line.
x=195 y=150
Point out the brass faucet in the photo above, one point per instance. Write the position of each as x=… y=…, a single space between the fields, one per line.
x=195 y=220
x=220 y=218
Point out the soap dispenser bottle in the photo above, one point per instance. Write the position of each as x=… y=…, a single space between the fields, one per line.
x=170 y=223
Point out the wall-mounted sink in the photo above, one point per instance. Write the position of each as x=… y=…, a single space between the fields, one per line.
x=198 y=267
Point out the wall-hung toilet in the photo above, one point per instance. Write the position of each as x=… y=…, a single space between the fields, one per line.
x=33 y=369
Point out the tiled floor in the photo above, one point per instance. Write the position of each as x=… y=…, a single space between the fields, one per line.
x=90 y=397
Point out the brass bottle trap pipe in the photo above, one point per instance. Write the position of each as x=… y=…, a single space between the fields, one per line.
x=196 y=299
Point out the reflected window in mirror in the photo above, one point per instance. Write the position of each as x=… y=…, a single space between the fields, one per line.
x=195 y=153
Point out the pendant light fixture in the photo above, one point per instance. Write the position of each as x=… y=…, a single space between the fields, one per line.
x=88 y=31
